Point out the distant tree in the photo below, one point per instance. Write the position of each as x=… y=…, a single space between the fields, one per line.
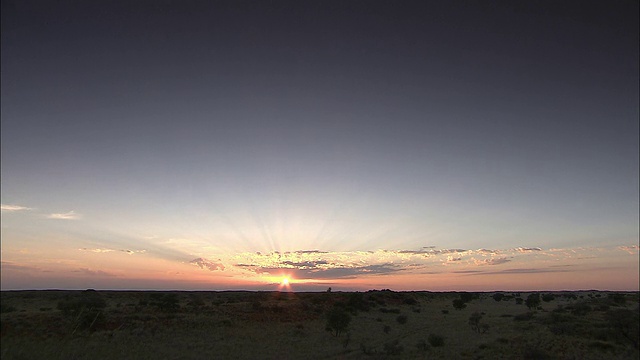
x=498 y=296
x=338 y=320
x=533 y=301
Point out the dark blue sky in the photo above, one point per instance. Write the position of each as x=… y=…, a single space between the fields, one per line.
x=326 y=124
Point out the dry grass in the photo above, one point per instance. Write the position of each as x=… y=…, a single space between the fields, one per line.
x=249 y=325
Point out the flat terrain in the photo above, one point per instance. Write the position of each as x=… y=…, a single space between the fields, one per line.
x=332 y=325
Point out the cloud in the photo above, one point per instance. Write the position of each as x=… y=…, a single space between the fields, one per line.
x=96 y=250
x=131 y=252
x=633 y=249
x=521 y=271
x=71 y=215
x=92 y=272
x=492 y=261
x=14 y=208
x=527 y=249
x=343 y=272
x=205 y=264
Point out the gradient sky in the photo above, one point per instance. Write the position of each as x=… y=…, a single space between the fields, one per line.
x=432 y=145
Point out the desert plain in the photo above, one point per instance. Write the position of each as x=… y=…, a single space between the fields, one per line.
x=376 y=324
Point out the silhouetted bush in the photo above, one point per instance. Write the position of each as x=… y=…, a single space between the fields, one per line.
x=474 y=322
x=444 y=311
x=498 y=296
x=436 y=340
x=402 y=319
x=548 y=297
x=338 y=320
x=467 y=297
x=459 y=304
x=533 y=301
x=519 y=301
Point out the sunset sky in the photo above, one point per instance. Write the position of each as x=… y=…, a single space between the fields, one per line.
x=217 y=145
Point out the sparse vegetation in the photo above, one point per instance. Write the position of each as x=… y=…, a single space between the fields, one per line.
x=232 y=325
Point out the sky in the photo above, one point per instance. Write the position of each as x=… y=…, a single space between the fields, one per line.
x=408 y=145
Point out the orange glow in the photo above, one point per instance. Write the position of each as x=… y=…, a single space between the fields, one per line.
x=285 y=284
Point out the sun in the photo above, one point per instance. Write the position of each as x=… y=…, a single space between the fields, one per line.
x=285 y=284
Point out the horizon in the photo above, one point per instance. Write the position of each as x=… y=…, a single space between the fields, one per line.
x=351 y=145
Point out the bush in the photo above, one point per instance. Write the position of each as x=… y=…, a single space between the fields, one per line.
x=474 y=321
x=459 y=304
x=533 y=301
x=548 y=297
x=402 y=319
x=519 y=301
x=436 y=340
x=338 y=321
x=498 y=296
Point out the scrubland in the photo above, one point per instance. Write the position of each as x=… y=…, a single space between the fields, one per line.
x=330 y=325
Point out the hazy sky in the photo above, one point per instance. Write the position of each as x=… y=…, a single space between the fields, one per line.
x=428 y=145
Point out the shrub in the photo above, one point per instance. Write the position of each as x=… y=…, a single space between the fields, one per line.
x=533 y=301
x=459 y=304
x=519 y=301
x=444 y=311
x=548 y=297
x=337 y=321
x=467 y=297
x=474 y=321
x=386 y=329
x=436 y=340
x=402 y=319
x=498 y=296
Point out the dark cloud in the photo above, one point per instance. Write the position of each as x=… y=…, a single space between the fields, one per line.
x=207 y=264
x=496 y=261
x=305 y=264
x=343 y=272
